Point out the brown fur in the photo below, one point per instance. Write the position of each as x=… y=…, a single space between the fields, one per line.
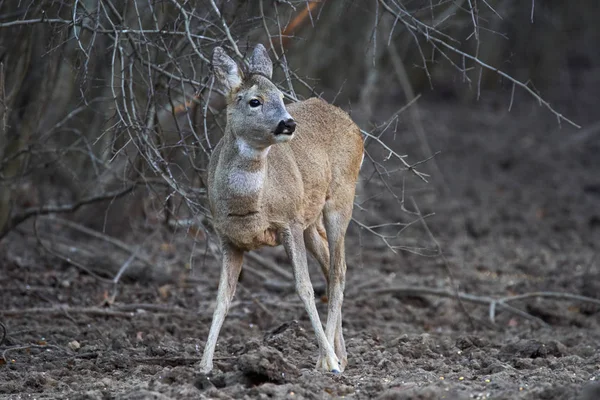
x=321 y=162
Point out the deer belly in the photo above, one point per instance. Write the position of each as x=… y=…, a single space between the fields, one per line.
x=249 y=232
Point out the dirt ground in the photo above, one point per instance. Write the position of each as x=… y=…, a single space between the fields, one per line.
x=517 y=211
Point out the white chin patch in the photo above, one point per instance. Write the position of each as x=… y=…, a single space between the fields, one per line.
x=247 y=151
x=284 y=137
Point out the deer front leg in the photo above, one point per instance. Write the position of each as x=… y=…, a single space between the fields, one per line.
x=230 y=272
x=293 y=242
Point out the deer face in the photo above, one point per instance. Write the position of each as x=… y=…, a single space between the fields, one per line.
x=256 y=113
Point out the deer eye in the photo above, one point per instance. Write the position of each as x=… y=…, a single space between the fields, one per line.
x=254 y=103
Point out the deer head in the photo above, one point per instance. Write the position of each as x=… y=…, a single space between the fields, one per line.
x=256 y=113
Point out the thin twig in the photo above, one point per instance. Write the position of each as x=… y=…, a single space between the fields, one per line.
x=421 y=175
x=414 y=112
x=227 y=31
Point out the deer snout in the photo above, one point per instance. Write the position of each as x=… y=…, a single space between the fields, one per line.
x=286 y=127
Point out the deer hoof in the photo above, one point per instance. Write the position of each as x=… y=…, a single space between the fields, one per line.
x=205 y=368
x=330 y=364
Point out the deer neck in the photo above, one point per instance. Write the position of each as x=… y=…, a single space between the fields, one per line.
x=246 y=168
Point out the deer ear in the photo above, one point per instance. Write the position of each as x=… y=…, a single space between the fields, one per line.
x=260 y=63
x=226 y=71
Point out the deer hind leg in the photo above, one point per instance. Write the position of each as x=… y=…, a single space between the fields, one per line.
x=315 y=239
x=293 y=241
x=230 y=273
x=336 y=223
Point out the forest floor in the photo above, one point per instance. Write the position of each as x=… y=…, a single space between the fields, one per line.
x=517 y=211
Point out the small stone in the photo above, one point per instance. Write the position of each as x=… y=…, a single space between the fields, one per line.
x=74 y=345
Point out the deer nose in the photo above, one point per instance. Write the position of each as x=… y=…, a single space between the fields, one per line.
x=290 y=124
x=287 y=126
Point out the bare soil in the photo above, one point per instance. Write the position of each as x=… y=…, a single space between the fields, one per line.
x=517 y=210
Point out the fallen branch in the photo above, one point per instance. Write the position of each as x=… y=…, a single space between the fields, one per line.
x=152 y=308
x=92 y=311
x=101 y=236
x=67 y=259
x=555 y=295
x=31 y=346
x=18 y=219
x=485 y=300
x=269 y=265
x=118 y=311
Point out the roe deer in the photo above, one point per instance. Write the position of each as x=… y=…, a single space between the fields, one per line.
x=282 y=176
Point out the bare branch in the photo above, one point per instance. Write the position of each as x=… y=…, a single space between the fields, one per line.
x=429 y=37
